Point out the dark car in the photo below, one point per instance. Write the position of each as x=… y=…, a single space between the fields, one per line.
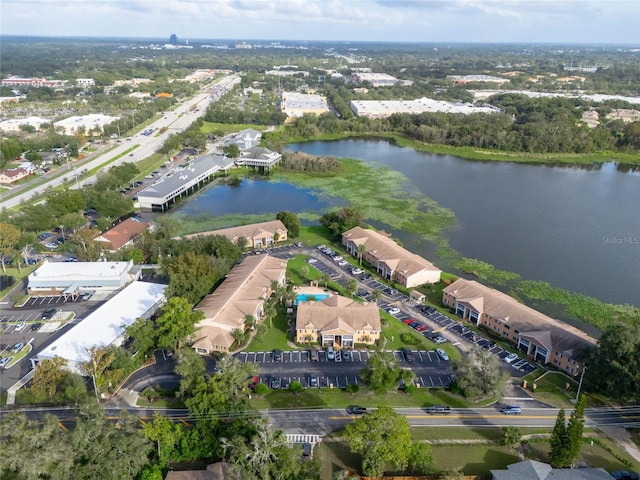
x=48 y=313
x=35 y=326
x=307 y=450
x=409 y=356
x=277 y=355
x=356 y=410
x=438 y=409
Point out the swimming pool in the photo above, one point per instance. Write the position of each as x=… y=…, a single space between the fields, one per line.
x=305 y=297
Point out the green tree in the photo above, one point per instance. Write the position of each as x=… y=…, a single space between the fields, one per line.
x=511 y=437
x=291 y=222
x=376 y=295
x=574 y=431
x=383 y=373
x=559 y=442
x=231 y=151
x=100 y=359
x=352 y=286
x=166 y=435
x=342 y=220
x=191 y=276
x=143 y=337
x=191 y=367
x=481 y=375
x=9 y=238
x=48 y=377
x=362 y=249
x=295 y=387
x=176 y=323
x=381 y=436
x=614 y=366
x=420 y=458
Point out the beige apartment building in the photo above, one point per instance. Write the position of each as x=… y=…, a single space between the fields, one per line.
x=244 y=292
x=390 y=260
x=338 y=322
x=258 y=235
x=538 y=336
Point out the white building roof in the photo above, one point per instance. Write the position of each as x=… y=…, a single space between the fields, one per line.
x=13 y=124
x=106 y=324
x=385 y=108
x=61 y=271
x=89 y=122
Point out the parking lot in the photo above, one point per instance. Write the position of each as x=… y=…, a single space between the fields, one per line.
x=431 y=371
x=401 y=307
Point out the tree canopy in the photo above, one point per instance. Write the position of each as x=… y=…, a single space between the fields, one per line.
x=291 y=222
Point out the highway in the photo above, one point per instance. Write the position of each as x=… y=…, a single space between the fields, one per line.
x=325 y=421
x=139 y=146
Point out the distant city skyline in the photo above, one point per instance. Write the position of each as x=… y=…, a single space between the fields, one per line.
x=479 y=21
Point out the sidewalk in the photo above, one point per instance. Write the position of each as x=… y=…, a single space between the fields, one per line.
x=622 y=438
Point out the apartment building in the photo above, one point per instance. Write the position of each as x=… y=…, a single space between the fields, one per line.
x=391 y=260
x=538 y=336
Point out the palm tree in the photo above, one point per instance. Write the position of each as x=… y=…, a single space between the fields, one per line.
x=352 y=286
x=377 y=295
x=362 y=248
x=249 y=323
x=326 y=278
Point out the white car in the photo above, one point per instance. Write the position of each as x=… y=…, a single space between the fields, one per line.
x=356 y=271
x=442 y=354
x=321 y=247
x=330 y=353
x=343 y=263
x=393 y=311
x=51 y=245
x=338 y=258
x=512 y=357
x=4 y=361
x=311 y=260
x=20 y=327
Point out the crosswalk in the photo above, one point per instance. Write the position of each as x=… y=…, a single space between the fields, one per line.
x=303 y=438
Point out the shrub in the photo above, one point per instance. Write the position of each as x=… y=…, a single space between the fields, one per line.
x=261 y=389
x=352 y=388
x=409 y=339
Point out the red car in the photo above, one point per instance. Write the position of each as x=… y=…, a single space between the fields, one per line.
x=254 y=381
x=407 y=321
x=422 y=328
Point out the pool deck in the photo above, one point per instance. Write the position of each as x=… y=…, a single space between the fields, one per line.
x=313 y=291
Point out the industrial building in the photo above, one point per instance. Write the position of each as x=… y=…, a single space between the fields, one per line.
x=106 y=325
x=375 y=79
x=295 y=104
x=85 y=123
x=385 y=108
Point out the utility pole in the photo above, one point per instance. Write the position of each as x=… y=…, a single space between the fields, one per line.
x=580 y=384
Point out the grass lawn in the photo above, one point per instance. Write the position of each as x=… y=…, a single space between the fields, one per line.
x=334 y=457
x=593 y=455
x=295 y=273
x=551 y=388
x=275 y=337
x=314 y=235
x=473 y=460
x=227 y=128
x=149 y=164
x=18 y=276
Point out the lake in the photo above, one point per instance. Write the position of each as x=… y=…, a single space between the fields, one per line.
x=577 y=227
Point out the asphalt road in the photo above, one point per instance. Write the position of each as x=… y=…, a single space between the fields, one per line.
x=144 y=146
x=325 y=421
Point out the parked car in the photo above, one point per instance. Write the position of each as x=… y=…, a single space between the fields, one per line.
x=307 y=450
x=4 y=361
x=17 y=347
x=313 y=355
x=422 y=328
x=254 y=381
x=343 y=263
x=439 y=340
x=321 y=247
x=338 y=258
x=511 y=410
x=512 y=357
x=442 y=354
x=277 y=355
x=393 y=311
x=311 y=260
x=414 y=324
x=356 y=271
x=313 y=381
x=347 y=356
x=438 y=409
x=48 y=313
x=330 y=353
x=275 y=383
x=408 y=354
x=356 y=410
x=35 y=326
x=20 y=327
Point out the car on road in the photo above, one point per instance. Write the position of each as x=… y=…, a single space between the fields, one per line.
x=408 y=354
x=393 y=311
x=277 y=355
x=356 y=410
x=442 y=354
x=511 y=410
x=48 y=313
x=330 y=353
x=17 y=347
x=438 y=409
x=512 y=357
x=20 y=327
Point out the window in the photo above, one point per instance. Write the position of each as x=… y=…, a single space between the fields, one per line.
x=508 y=327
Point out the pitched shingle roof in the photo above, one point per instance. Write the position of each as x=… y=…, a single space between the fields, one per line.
x=247 y=231
x=532 y=470
x=337 y=313
x=122 y=233
x=550 y=333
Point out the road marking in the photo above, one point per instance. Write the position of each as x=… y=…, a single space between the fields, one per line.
x=63 y=427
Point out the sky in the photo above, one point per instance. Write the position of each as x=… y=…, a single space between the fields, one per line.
x=483 y=21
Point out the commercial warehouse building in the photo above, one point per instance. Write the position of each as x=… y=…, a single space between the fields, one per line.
x=106 y=325
x=389 y=259
x=295 y=104
x=385 y=108
x=74 y=278
x=544 y=339
x=85 y=123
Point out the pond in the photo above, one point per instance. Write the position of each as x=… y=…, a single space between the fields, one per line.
x=577 y=227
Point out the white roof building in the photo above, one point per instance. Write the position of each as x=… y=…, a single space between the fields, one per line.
x=70 y=278
x=375 y=79
x=295 y=104
x=13 y=124
x=106 y=325
x=71 y=125
x=385 y=108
